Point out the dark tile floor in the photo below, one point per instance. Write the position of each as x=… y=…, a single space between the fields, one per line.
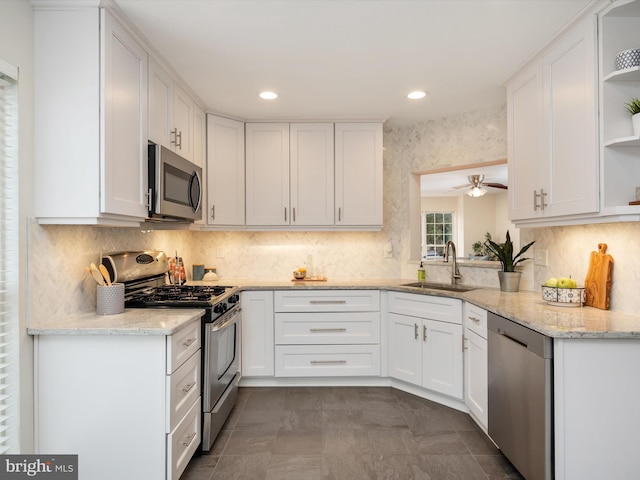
x=349 y=433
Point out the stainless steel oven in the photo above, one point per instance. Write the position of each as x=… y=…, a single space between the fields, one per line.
x=221 y=372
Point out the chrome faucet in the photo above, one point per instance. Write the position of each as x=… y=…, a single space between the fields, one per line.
x=455 y=273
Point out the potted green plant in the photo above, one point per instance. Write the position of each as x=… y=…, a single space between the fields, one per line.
x=633 y=107
x=509 y=278
x=481 y=251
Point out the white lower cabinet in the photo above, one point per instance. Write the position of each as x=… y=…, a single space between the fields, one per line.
x=257 y=334
x=133 y=399
x=425 y=342
x=327 y=333
x=475 y=364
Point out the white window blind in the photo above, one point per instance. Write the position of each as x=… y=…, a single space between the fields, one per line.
x=9 y=321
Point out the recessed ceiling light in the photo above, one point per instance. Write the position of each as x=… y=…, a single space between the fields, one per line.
x=268 y=95
x=416 y=95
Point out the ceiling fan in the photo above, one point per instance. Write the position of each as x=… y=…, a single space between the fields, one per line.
x=478 y=185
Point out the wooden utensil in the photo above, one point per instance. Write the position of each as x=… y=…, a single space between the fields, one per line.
x=598 y=280
x=97 y=275
x=105 y=274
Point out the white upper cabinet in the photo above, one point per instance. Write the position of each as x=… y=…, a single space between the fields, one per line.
x=172 y=113
x=311 y=170
x=358 y=179
x=552 y=130
x=90 y=119
x=267 y=175
x=225 y=172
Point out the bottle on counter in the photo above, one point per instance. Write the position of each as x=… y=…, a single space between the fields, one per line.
x=422 y=272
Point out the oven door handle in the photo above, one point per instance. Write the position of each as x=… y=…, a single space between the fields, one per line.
x=232 y=318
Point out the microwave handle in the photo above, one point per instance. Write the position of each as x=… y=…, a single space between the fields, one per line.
x=195 y=178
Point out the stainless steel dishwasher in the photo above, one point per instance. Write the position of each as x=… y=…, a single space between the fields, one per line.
x=521 y=396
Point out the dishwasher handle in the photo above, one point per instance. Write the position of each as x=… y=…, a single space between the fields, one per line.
x=513 y=339
x=535 y=342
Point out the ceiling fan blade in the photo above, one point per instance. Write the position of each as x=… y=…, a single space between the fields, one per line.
x=496 y=185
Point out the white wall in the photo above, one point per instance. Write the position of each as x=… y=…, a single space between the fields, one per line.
x=16 y=48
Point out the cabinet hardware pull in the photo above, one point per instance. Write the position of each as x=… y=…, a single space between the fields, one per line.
x=213 y=212
x=424 y=333
x=285 y=214
x=149 y=196
x=340 y=214
x=536 y=195
x=474 y=319
x=415 y=329
x=188 y=386
x=327 y=302
x=174 y=134
x=542 y=201
x=188 y=341
x=316 y=330
x=179 y=139
x=188 y=439
x=327 y=362
x=294 y=213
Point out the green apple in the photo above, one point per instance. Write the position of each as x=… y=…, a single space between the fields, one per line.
x=564 y=282
x=552 y=282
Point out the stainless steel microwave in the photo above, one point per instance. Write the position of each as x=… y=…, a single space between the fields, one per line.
x=175 y=186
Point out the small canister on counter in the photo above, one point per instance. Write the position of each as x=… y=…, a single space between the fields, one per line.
x=198 y=271
x=210 y=274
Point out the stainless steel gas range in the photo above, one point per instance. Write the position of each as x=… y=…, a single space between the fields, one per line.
x=144 y=276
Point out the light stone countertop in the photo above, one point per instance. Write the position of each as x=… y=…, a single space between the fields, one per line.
x=525 y=307
x=134 y=321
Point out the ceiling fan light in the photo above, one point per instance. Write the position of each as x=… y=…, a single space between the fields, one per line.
x=476 y=191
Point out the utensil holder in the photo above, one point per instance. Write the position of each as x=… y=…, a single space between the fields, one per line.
x=110 y=299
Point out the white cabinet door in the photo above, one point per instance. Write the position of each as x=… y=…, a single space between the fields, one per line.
x=257 y=334
x=358 y=163
x=183 y=123
x=160 y=104
x=570 y=95
x=225 y=171
x=312 y=173
x=405 y=348
x=442 y=357
x=475 y=377
x=524 y=130
x=124 y=152
x=267 y=174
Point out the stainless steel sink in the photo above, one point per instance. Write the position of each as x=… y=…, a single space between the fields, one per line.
x=440 y=286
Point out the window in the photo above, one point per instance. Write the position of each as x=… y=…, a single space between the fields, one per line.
x=9 y=321
x=437 y=230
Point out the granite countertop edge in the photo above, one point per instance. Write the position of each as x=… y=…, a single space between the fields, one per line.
x=525 y=308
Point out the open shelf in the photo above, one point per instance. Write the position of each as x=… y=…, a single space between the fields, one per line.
x=633 y=141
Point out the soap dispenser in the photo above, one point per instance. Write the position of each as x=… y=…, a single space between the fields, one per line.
x=422 y=273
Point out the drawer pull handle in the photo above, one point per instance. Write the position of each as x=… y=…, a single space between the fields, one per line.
x=328 y=362
x=189 y=341
x=327 y=302
x=188 y=386
x=188 y=439
x=316 y=330
x=474 y=319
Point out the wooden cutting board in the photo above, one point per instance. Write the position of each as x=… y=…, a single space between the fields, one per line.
x=598 y=280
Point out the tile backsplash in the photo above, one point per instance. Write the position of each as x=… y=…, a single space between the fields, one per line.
x=59 y=285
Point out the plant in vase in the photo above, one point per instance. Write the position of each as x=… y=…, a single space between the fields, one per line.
x=509 y=278
x=633 y=107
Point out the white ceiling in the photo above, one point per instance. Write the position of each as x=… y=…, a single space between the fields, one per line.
x=348 y=59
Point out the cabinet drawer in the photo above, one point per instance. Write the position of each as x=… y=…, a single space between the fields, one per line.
x=183 y=442
x=475 y=319
x=425 y=306
x=327 y=301
x=327 y=328
x=183 y=388
x=181 y=345
x=327 y=360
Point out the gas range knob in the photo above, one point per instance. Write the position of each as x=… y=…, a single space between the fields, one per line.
x=220 y=308
x=234 y=298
